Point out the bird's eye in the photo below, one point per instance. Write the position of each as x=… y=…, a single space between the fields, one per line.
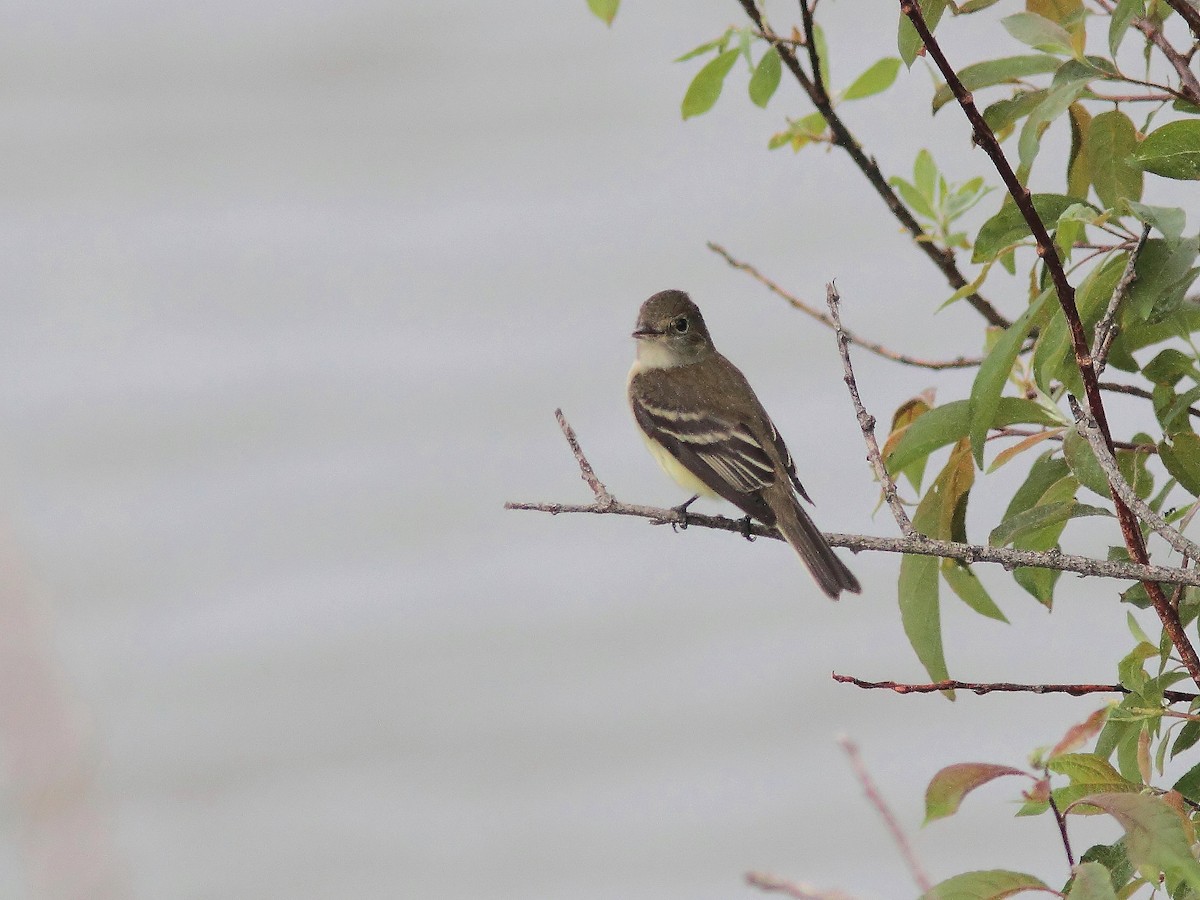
x=680 y=325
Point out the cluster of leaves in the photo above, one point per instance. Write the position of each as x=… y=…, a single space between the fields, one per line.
x=1129 y=133
x=1159 y=823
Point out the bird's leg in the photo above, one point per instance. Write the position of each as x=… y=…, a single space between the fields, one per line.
x=746 y=533
x=681 y=511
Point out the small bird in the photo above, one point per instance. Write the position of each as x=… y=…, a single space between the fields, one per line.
x=707 y=429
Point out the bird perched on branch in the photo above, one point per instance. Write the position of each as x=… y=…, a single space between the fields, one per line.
x=707 y=429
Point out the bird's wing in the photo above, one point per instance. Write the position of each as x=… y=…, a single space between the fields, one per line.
x=785 y=457
x=724 y=455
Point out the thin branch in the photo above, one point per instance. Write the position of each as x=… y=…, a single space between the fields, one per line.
x=959 y=362
x=986 y=138
x=898 y=836
x=603 y=498
x=1106 y=329
x=1002 y=687
x=1062 y=828
x=1055 y=434
x=1134 y=391
x=772 y=884
x=814 y=59
x=1189 y=14
x=1189 y=86
x=942 y=258
x=1087 y=427
x=1006 y=557
x=866 y=421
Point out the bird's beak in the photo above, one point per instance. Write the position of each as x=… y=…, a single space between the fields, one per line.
x=645 y=332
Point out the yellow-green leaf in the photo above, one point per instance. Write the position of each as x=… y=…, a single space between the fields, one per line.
x=605 y=10
x=1111 y=138
x=991 y=884
x=705 y=88
x=766 y=77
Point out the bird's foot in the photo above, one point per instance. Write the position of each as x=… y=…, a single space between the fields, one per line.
x=681 y=512
x=746 y=532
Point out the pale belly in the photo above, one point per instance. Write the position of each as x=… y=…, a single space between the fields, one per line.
x=676 y=469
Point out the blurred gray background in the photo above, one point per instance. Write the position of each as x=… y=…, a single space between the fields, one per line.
x=291 y=293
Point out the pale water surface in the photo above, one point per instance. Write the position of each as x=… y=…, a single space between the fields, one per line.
x=291 y=293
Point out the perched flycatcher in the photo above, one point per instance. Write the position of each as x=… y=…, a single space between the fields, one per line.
x=706 y=428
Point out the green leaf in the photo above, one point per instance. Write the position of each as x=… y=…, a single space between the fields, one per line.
x=605 y=10
x=1169 y=220
x=1114 y=859
x=908 y=42
x=1180 y=455
x=1078 y=179
x=993 y=374
x=1164 y=273
x=948 y=423
x=970 y=590
x=766 y=77
x=997 y=71
x=920 y=613
x=1038 y=518
x=1122 y=17
x=1169 y=366
x=1189 y=784
x=1083 y=463
x=1009 y=226
x=1002 y=114
x=1038 y=32
x=913 y=197
x=992 y=884
x=1172 y=151
x=707 y=47
x=1154 y=836
x=1057 y=102
x=875 y=80
x=1110 y=140
x=918 y=588
x=705 y=88
x=1086 y=768
x=1091 y=882
x=950 y=785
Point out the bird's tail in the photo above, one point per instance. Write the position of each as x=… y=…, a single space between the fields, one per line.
x=806 y=539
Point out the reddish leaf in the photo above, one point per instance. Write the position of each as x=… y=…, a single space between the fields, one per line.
x=948 y=787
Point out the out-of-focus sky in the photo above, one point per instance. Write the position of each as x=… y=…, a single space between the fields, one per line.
x=291 y=293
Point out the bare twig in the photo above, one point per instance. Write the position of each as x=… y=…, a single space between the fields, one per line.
x=604 y=499
x=1134 y=391
x=1002 y=687
x=898 y=836
x=1189 y=86
x=1106 y=330
x=1062 y=828
x=959 y=362
x=986 y=138
x=1007 y=557
x=1087 y=427
x=866 y=421
x=773 y=884
x=942 y=258
x=1189 y=14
